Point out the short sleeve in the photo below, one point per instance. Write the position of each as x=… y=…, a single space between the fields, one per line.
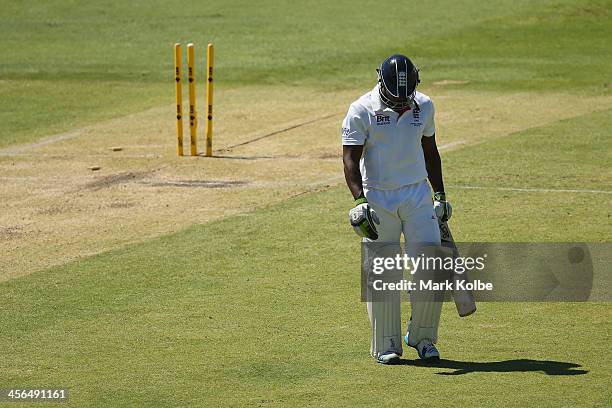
x=430 y=126
x=353 y=129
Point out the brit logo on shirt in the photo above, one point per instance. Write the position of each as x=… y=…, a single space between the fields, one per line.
x=382 y=120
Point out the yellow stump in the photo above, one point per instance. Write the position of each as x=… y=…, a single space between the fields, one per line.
x=209 y=99
x=179 y=98
x=193 y=116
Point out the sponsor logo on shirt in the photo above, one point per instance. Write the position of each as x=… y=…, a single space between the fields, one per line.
x=416 y=115
x=382 y=120
x=345 y=131
x=416 y=112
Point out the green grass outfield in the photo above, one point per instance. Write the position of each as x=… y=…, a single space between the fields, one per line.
x=262 y=309
x=71 y=63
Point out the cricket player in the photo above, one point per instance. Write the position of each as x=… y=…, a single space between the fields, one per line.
x=389 y=152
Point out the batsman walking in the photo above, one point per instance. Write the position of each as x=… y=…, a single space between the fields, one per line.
x=389 y=153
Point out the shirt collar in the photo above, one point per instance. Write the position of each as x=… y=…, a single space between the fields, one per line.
x=377 y=104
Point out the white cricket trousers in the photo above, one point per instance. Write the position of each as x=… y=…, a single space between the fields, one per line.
x=407 y=210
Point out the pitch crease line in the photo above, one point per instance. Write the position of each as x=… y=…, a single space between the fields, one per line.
x=533 y=190
x=276 y=132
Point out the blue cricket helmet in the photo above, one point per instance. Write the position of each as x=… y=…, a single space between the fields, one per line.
x=398 y=78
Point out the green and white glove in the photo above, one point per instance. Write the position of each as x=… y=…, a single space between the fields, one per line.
x=442 y=207
x=363 y=219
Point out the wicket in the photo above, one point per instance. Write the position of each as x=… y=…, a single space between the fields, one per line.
x=193 y=115
x=179 y=98
x=209 y=99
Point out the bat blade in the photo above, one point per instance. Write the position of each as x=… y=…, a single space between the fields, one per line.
x=464 y=299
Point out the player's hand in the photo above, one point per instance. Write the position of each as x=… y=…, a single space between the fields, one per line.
x=363 y=219
x=442 y=207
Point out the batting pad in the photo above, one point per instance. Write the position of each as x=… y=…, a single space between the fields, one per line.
x=386 y=324
x=384 y=306
x=426 y=305
x=424 y=322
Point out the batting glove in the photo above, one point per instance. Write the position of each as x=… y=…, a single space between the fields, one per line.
x=363 y=219
x=442 y=207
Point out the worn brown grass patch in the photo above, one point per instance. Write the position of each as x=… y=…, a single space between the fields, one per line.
x=55 y=209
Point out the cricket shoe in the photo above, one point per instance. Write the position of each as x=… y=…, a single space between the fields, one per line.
x=426 y=349
x=388 y=358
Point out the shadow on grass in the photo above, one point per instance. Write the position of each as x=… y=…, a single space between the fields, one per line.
x=507 y=366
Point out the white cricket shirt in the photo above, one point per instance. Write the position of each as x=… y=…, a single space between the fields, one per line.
x=392 y=152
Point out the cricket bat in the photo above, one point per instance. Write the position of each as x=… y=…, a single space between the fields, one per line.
x=464 y=299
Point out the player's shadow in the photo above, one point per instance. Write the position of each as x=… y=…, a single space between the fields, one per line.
x=521 y=365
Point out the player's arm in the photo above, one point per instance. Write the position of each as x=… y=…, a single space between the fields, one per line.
x=354 y=135
x=350 y=157
x=361 y=216
x=433 y=163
